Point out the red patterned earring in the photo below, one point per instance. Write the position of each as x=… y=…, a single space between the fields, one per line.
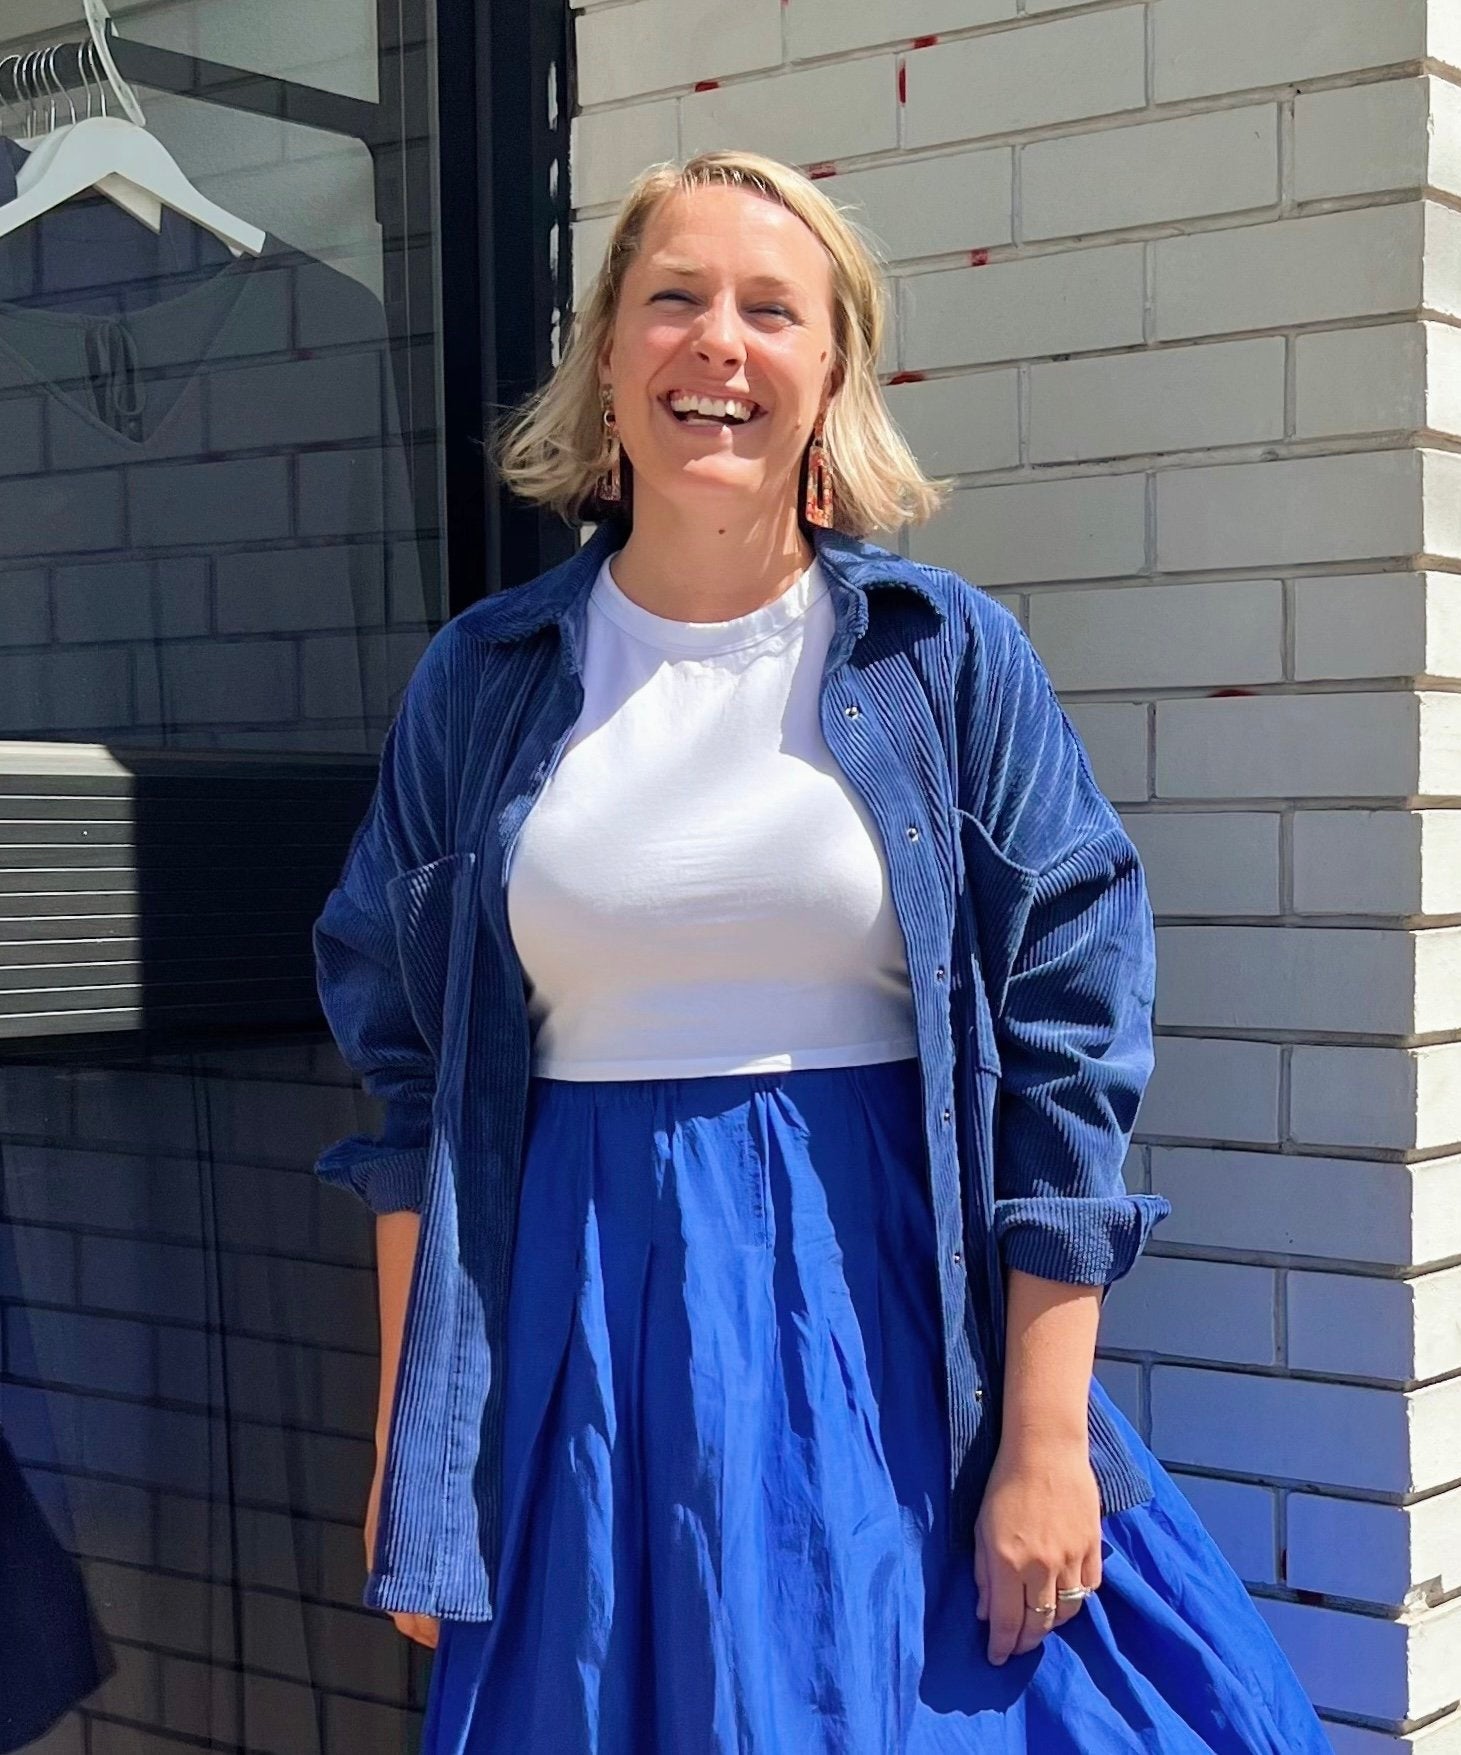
x=818 y=508
x=610 y=487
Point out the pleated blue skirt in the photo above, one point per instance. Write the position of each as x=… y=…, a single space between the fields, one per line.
x=725 y=1497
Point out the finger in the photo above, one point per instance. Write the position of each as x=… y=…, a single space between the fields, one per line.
x=1091 y=1569
x=981 y=1582
x=422 y=1629
x=1037 y=1589
x=1006 y=1611
x=1069 y=1609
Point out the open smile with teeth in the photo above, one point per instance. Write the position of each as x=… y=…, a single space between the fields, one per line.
x=693 y=410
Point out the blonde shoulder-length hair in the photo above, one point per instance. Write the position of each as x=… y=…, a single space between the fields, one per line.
x=554 y=448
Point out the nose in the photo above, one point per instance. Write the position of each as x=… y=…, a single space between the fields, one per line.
x=719 y=341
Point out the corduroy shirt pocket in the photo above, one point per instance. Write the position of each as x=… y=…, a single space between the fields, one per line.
x=432 y=906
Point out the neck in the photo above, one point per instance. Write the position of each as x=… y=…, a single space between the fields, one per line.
x=682 y=563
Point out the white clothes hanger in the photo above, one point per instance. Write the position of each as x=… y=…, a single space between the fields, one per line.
x=37 y=70
x=98 y=148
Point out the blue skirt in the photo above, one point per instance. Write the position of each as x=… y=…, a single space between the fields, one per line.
x=725 y=1498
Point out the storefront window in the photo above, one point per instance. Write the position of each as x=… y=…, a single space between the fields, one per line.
x=222 y=478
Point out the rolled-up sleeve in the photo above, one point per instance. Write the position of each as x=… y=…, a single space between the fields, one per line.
x=1073 y=1017
x=358 y=972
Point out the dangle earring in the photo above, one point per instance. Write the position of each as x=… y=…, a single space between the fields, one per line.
x=818 y=508
x=610 y=487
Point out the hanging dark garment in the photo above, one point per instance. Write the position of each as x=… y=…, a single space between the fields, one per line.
x=52 y=1652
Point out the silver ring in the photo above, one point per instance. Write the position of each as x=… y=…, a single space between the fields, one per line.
x=1040 y=1608
x=1078 y=1594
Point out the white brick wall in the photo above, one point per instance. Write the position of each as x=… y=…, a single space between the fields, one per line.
x=1178 y=297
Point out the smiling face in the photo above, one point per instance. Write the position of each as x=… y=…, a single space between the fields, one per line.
x=722 y=352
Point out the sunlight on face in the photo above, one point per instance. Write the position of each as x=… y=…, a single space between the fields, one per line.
x=730 y=296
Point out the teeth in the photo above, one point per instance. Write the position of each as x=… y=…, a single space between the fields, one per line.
x=714 y=407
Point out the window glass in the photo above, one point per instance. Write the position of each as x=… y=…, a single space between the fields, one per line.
x=220 y=559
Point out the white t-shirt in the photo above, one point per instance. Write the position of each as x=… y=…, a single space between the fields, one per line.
x=697 y=889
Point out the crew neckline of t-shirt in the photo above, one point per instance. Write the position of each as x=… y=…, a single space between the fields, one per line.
x=704 y=639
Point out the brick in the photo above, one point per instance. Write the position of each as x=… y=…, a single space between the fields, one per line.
x=1355 y=625
x=1440 y=835
x=1275 y=746
x=1253 y=43
x=962 y=425
x=1291 y=271
x=1437 y=980
x=1209 y=862
x=1056 y=71
x=1361 y=139
x=653 y=45
x=826 y=27
x=1115 y=736
x=110 y=602
x=1193 y=1310
x=1444 y=168
x=1359 y=506
x=1369 y=861
x=1084 y=527
x=806 y=117
x=1282 y=978
x=609 y=148
x=83 y=1352
x=1121 y=1380
x=369 y=1724
x=1284 y=1203
x=1441 y=484
x=301 y=588
x=1241 y=1520
x=27 y=605
x=1150 y=173
x=1400 y=1098
x=590 y=241
x=34 y=1256
x=1402 y=1331
x=1368 y=1665
x=233 y=682
x=1442 y=260
x=1161 y=636
x=1375 y=1553
x=1173 y=399
x=1212 y=1089
x=241 y=499
x=927 y=206
x=1073 y=302
x=1370 y=380
x=156 y=1280
x=66 y=692
x=259 y=1712
x=1442 y=1737
x=1358 y=861
x=1442 y=378
x=67 y=1737
x=1292 y=1429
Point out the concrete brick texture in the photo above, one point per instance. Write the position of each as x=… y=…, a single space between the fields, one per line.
x=1177 y=288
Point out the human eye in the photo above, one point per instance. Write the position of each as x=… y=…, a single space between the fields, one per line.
x=671 y=292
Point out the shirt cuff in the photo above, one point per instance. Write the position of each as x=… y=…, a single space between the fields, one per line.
x=388 y=1180
x=1082 y=1241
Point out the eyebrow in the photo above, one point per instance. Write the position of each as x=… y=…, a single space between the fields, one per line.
x=693 y=271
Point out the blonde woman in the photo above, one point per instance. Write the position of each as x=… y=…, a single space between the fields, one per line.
x=759 y=990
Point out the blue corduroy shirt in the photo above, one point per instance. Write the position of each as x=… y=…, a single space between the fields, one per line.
x=1030 y=950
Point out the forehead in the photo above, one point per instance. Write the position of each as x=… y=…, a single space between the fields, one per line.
x=725 y=229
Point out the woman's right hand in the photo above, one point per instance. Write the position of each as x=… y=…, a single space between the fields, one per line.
x=424 y=1629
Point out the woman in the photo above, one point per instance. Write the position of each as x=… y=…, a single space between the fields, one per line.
x=759 y=988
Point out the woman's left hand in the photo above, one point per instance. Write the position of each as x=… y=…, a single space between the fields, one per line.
x=1038 y=1531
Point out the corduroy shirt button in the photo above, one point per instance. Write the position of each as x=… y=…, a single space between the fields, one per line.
x=912 y=833
x=853 y=712
x=939 y=974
